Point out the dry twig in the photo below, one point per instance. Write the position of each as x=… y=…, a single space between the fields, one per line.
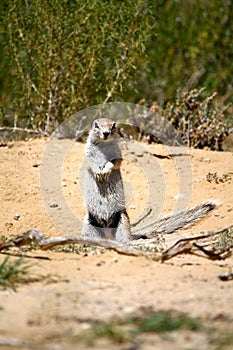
x=191 y=245
x=34 y=236
x=19 y=343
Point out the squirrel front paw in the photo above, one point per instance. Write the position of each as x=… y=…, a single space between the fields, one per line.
x=105 y=171
x=107 y=168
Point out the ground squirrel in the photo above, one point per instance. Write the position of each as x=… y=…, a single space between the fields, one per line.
x=104 y=193
x=103 y=186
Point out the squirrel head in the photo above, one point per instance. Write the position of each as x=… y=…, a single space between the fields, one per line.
x=104 y=129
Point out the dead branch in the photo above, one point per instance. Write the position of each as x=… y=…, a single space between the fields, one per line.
x=192 y=245
x=34 y=236
x=147 y=212
x=18 y=343
x=15 y=129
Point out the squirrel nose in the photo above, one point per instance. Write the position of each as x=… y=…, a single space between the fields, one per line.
x=106 y=134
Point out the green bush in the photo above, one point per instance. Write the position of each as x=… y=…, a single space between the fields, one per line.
x=60 y=56
x=198 y=119
x=70 y=54
x=193 y=49
x=193 y=119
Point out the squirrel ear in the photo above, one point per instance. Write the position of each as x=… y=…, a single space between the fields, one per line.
x=95 y=124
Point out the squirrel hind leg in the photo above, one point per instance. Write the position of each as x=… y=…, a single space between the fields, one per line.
x=117 y=227
x=92 y=231
x=122 y=232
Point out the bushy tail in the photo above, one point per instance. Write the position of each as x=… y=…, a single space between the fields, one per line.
x=175 y=221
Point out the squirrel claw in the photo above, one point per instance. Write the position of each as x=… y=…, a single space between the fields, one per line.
x=101 y=177
x=105 y=172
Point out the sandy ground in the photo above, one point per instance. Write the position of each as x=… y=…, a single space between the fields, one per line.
x=103 y=285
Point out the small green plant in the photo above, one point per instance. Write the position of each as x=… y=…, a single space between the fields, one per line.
x=224 y=340
x=109 y=331
x=2 y=238
x=214 y=177
x=225 y=241
x=13 y=272
x=123 y=330
x=154 y=246
x=165 y=322
x=75 y=248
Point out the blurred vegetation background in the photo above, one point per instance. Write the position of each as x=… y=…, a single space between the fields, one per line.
x=60 y=56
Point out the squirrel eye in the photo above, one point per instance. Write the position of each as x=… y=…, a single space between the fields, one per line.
x=113 y=126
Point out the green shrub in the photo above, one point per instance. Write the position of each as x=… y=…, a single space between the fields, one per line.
x=70 y=54
x=193 y=119
x=13 y=272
